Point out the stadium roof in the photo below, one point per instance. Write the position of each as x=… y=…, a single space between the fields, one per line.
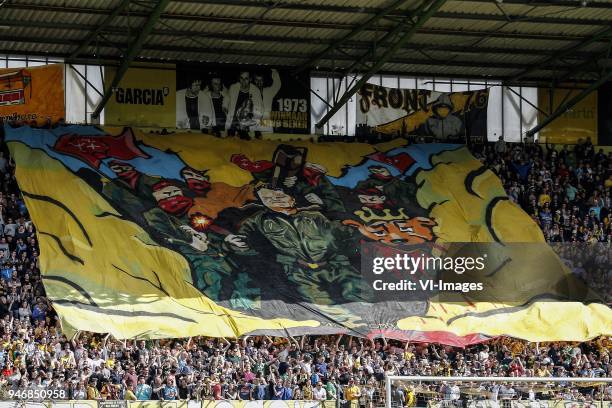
x=519 y=41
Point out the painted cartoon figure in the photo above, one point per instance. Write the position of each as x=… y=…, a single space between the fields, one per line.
x=130 y=189
x=197 y=181
x=402 y=192
x=291 y=211
x=393 y=228
x=212 y=270
x=290 y=170
x=443 y=123
x=173 y=211
x=308 y=247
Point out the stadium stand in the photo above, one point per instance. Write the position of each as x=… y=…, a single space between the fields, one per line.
x=566 y=192
x=226 y=166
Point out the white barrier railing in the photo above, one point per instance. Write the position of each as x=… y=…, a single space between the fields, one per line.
x=438 y=379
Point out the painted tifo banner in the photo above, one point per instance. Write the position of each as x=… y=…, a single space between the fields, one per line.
x=580 y=122
x=241 y=98
x=443 y=116
x=224 y=237
x=145 y=97
x=32 y=94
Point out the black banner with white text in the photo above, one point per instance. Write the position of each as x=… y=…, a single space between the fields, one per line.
x=241 y=98
x=443 y=116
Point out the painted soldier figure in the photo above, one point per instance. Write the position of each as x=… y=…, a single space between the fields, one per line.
x=309 y=248
x=194 y=237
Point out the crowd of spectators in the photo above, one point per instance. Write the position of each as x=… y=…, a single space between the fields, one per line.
x=93 y=366
x=566 y=192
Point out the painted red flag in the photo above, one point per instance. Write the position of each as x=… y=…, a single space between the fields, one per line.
x=400 y=161
x=92 y=149
x=245 y=163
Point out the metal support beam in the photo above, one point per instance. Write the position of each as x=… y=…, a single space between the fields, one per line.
x=352 y=44
x=518 y=18
x=528 y=102
x=565 y=98
x=112 y=60
x=569 y=104
x=40 y=8
x=385 y=39
x=552 y=3
x=309 y=89
x=372 y=10
x=590 y=65
x=105 y=23
x=131 y=53
x=422 y=19
x=363 y=64
x=295 y=57
x=358 y=28
x=564 y=52
x=84 y=78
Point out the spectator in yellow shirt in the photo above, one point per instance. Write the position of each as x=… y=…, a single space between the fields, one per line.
x=410 y=396
x=129 y=393
x=544 y=198
x=92 y=390
x=110 y=362
x=540 y=371
x=352 y=392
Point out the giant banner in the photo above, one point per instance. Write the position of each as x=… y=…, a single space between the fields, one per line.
x=241 y=98
x=145 y=97
x=152 y=236
x=32 y=94
x=395 y=111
